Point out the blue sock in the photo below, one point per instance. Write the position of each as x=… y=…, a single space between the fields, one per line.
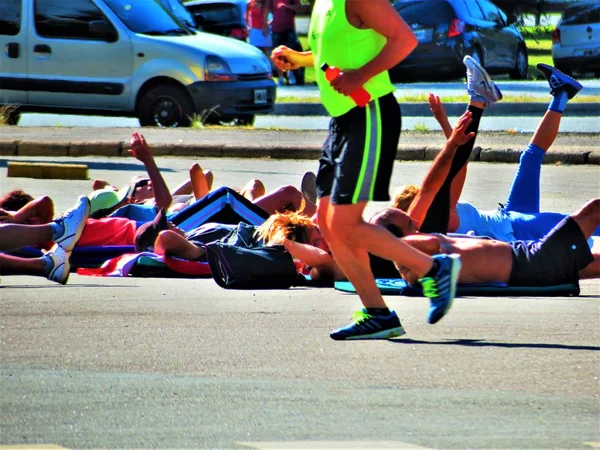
x=58 y=229
x=558 y=102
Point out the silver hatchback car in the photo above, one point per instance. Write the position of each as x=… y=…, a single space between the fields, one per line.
x=125 y=58
x=576 y=39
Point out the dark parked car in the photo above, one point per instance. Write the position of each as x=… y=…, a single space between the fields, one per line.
x=447 y=30
x=576 y=39
x=224 y=17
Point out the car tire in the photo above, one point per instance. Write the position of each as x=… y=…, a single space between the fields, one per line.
x=10 y=115
x=564 y=69
x=519 y=72
x=166 y=106
x=241 y=121
x=477 y=56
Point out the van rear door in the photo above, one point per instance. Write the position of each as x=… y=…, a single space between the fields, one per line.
x=78 y=58
x=13 y=60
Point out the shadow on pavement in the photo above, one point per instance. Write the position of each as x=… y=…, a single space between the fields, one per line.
x=482 y=343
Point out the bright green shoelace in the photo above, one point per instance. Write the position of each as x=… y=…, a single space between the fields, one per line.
x=429 y=287
x=360 y=317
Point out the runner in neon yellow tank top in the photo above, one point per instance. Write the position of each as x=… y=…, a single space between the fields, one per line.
x=364 y=38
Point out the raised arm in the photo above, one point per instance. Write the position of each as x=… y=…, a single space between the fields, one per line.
x=439 y=112
x=437 y=174
x=315 y=258
x=142 y=152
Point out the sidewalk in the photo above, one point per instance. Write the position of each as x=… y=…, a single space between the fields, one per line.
x=23 y=142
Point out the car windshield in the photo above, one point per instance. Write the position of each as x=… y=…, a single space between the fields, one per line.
x=148 y=17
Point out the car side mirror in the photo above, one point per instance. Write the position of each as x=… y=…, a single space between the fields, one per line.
x=103 y=30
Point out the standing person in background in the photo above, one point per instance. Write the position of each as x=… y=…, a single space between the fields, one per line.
x=255 y=20
x=364 y=39
x=283 y=28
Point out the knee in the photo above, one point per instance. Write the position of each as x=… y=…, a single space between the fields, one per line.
x=164 y=241
x=292 y=195
x=592 y=208
x=210 y=178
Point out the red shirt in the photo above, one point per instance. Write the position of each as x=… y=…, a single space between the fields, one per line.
x=283 y=18
x=108 y=231
x=255 y=16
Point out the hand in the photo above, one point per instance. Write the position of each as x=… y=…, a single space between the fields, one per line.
x=6 y=216
x=348 y=81
x=285 y=58
x=437 y=109
x=458 y=136
x=139 y=148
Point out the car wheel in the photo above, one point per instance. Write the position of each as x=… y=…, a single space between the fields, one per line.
x=519 y=72
x=477 y=56
x=564 y=69
x=165 y=106
x=231 y=121
x=9 y=115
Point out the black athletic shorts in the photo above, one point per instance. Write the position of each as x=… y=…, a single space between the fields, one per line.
x=358 y=155
x=557 y=258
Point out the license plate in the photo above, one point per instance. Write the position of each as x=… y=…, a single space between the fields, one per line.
x=423 y=35
x=260 y=96
x=586 y=52
x=419 y=34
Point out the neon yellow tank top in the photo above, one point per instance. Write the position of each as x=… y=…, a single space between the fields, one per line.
x=333 y=40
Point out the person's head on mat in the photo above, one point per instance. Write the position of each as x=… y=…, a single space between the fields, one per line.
x=292 y=225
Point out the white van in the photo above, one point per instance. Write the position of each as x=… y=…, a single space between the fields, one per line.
x=125 y=58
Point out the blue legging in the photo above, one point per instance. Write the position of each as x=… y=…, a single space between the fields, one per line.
x=523 y=202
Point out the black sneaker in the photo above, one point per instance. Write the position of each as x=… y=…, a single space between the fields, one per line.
x=366 y=326
x=559 y=81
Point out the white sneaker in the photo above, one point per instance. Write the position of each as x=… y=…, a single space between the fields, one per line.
x=73 y=222
x=61 y=267
x=308 y=186
x=479 y=82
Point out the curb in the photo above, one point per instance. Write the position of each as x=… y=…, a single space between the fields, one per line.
x=536 y=109
x=48 y=171
x=406 y=152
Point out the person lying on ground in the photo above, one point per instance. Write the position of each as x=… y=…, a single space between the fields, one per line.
x=560 y=257
x=279 y=226
x=224 y=205
x=108 y=199
x=520 y=217
x=54 y=264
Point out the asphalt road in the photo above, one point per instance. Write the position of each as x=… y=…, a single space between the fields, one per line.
x=179 y=363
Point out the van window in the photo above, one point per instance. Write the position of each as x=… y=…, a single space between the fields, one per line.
x=581 y=14
x=147 y=17
x=10 y=17
x=67 y=19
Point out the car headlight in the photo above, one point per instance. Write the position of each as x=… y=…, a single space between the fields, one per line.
x=216 y=69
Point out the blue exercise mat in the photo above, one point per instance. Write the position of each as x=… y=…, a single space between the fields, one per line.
x=397 y=286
